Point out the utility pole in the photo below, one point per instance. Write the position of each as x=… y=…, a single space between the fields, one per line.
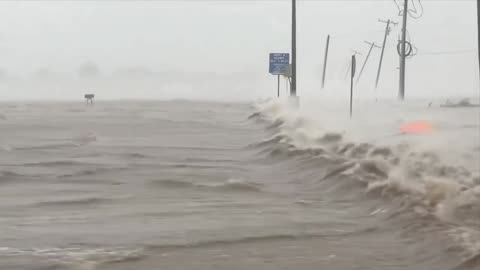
x=325 y=61
x=478 y=35
x=353 y=66
x=387 y=31
x=401 y=90
x=366 y=58
x=293 y=86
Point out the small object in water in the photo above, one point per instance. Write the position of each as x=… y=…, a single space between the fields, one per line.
x=418 y=127
x=89 y=98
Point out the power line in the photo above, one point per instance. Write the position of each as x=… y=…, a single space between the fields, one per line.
x=372 y=45
x=353 y=35
x=449 y=52
x=413 y=13
x=415 y=10
x=398 y=6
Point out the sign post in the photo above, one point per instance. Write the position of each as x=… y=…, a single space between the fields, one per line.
x=278 y=85
x=279 y=64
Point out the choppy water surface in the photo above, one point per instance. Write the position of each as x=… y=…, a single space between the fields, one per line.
x=190 y=185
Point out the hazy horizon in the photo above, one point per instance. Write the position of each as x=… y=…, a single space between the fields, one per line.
x=202 y=49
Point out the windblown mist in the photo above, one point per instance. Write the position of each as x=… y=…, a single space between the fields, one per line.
x=219 y=49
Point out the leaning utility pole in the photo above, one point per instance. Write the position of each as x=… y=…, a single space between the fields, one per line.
x=325 y=61
x=293 y=86
x=401 y=89
x=387 y=31
x=366 y=58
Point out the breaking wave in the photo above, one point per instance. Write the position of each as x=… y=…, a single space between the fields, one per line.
x=398 y=170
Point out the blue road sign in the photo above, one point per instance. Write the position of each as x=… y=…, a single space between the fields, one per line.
x=279 y=64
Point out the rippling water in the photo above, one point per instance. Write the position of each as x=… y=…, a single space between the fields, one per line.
x=190 y=185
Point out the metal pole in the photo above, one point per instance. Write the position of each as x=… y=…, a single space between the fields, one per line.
x=401 y=90
x=366 y=59
x=478 y=33
x=387 y=29
x=325 y=61
x=278 y=85
x=353 y=64
x=293 y=87
x=287 y=82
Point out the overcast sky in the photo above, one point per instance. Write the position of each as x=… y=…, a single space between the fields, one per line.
x=228 y=37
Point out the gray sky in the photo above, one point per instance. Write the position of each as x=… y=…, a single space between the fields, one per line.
x=232 y=39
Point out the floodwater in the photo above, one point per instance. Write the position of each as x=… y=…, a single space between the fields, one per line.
x=198 y=185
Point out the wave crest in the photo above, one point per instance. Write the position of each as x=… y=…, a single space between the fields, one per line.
x=419 y=178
